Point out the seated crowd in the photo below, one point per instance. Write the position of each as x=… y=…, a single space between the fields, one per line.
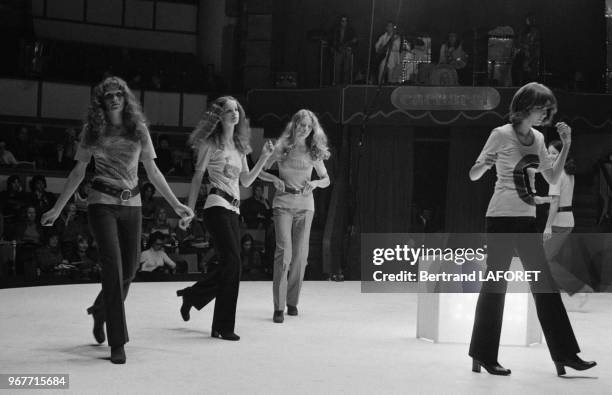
x=66 y=250
x=54 y=148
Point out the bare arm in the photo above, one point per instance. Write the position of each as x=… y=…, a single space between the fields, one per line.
x=72 y=183
x=552 y=175
x=552 y=212
x=480 y=168
x=160 y=183
x=323 y=181
x=565 y=134
x=248 y=176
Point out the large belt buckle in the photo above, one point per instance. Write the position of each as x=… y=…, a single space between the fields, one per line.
x=236 y=202
x=129 y=195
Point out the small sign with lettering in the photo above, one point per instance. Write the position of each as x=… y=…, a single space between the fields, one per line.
x=445 y=98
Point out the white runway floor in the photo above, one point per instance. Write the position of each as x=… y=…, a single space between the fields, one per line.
x=343 y=341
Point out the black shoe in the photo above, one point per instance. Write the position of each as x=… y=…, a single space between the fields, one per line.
x=117 y=355
x=575 y=363
x=185 y=307
x=225 y=336
x=98 y=328
x=292 y=310
x=180 y=292
x=493 y=368
x=279 y=316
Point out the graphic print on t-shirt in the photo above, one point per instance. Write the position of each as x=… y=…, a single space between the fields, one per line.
x=116 y=160
x=521 y=178
x=230 y=171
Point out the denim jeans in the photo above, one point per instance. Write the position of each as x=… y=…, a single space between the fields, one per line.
x=292 y=228
x=490 y=307
x=117 y=230
x=223 y=281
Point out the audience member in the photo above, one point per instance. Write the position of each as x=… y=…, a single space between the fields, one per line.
x=149 y=205
x=85 y=259
x=6 y=157
x=154 y=261
x=50 y=261
x=12 y=200
x=80 y=197
x=39 y=197
x=164 y=156
x=29 y=235
x=252 y=268
x=69 y=226
x=256 y=211
x=23 y=147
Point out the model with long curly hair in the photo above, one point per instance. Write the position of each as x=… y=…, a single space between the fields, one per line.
x=301 y=147
x=116 y=135
x=221 y=139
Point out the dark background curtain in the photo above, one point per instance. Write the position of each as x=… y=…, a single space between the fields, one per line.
x=467 y=200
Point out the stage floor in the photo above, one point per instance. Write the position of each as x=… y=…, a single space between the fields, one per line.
x=343 y=341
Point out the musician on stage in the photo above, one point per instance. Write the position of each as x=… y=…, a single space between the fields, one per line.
x=452 y=53
x=343 y=40
x=388 y=43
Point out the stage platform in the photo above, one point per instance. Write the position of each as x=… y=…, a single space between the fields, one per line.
x=343 y=341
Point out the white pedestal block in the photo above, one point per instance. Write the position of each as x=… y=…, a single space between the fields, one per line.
x=449 y=317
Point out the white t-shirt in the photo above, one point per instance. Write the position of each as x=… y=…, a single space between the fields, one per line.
x=152 y=259
x=564 y=188
x=513 y=195
x=224 y=168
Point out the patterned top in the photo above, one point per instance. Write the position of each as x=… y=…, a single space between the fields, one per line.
x=295 y=169
x=513 y=196
x=224 y=168
x=116 y=160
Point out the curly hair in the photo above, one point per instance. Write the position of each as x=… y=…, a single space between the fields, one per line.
x=96 y=120
x=209 y=129
x=316 y=141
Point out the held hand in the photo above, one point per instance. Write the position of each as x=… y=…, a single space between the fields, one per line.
x=186 y=215
x=49 y=217
x=279 y=185
x=565 y=132
x=309 y=187
x=547 y=234
x=490 y=159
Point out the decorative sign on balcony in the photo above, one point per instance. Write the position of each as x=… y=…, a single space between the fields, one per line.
x=445 y=98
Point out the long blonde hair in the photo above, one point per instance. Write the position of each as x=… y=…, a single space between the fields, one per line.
x=209 y=129
x=316 y=141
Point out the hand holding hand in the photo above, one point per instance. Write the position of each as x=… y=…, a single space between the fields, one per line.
x=186 y=215
x=547 y=234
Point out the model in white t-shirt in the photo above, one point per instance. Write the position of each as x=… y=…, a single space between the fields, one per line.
x=222 y=142
x=560 y=224
x=511 y=226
